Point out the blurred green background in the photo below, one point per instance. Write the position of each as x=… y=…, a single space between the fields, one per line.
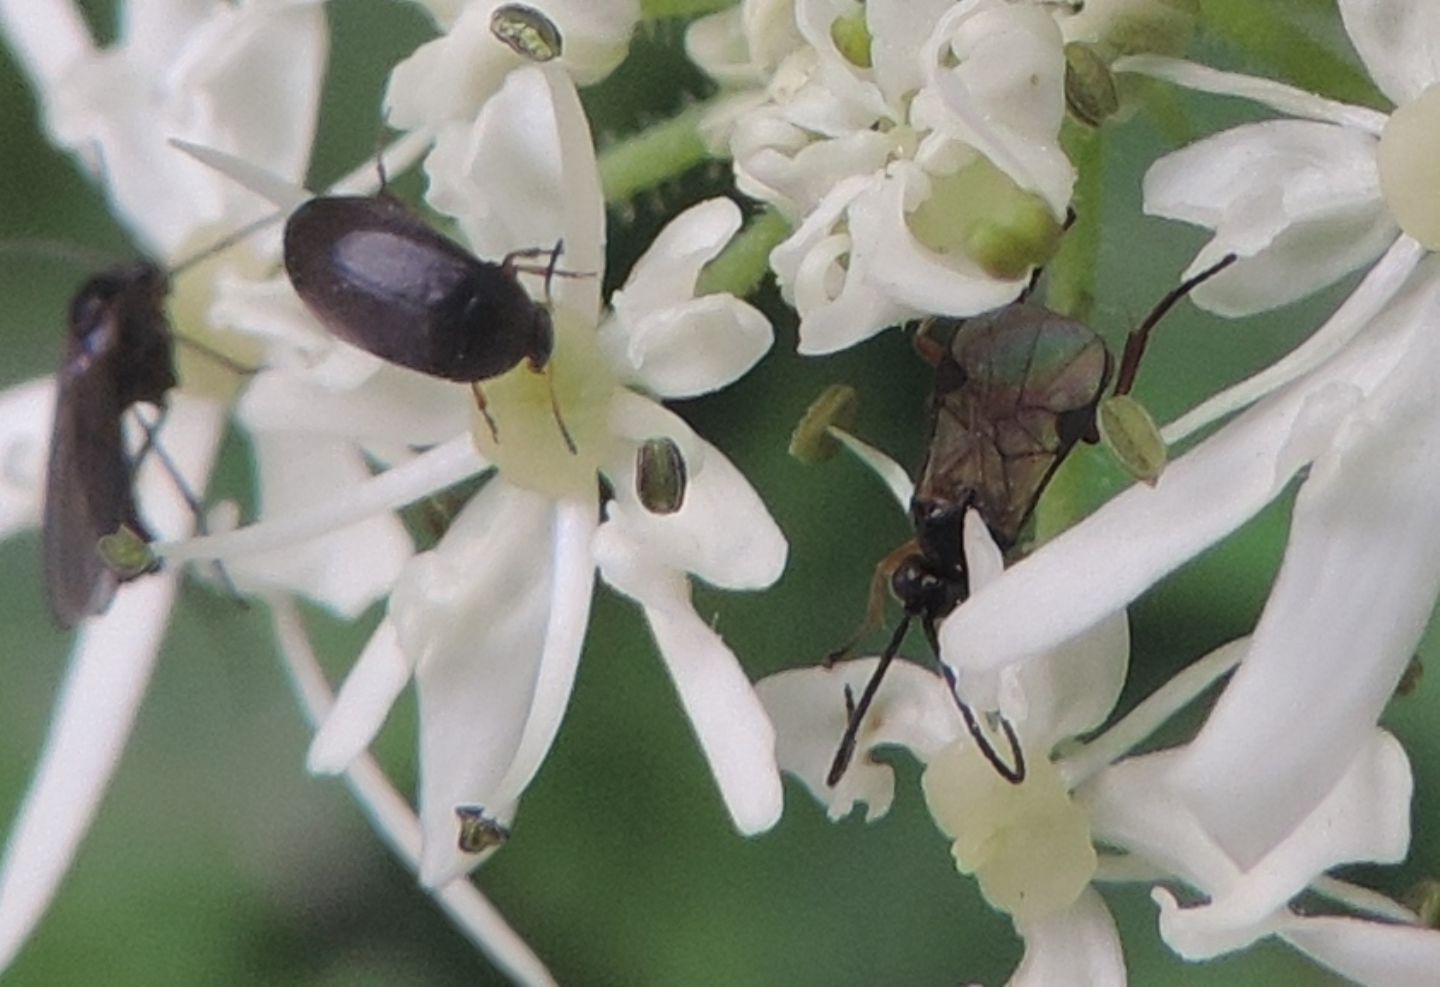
x=215 y=859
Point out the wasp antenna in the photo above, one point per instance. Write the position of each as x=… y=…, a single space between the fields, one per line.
x=1136 y=342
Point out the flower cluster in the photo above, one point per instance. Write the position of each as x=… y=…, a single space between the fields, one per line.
x=918 y=160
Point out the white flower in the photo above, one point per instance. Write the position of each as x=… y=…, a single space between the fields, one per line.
x=180 y=68
x=490 y=623
x=1090 y=812
x=449 y=79
x=1357 y=404
x=914 y=145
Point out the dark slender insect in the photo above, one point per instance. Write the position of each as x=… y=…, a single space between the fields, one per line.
x=1015 y=390
x=118 y=354
x=377 y=276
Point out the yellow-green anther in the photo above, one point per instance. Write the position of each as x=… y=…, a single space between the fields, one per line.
x=1131 y=435
x=478 y=832
x=1089 y=86
x=126 y=554
x=660 y=476
x=852 y=37
x=811 y=442
x=527 y=32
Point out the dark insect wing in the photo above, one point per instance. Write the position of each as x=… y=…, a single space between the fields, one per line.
x=118 y=354
x=1021 y=393
x=381 y=279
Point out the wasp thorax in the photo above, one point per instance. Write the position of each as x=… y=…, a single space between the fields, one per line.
x=527 y=443
x=1407 y=155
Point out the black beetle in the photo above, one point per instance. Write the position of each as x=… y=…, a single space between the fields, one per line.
x=1015 y=390
x=380 y=278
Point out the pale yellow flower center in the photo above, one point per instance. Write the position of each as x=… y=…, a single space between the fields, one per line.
x=979 y=211
x=188 y=307
x=527 y=445
x=1028 y=845
x=1409 y=161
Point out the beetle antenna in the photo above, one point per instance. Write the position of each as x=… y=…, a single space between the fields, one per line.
x=483 y=408
x=1014 y=772
x=555 y=409
x=856 y=711
x=1135 y=344
x=224 y=243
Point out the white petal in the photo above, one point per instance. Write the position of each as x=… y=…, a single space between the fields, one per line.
x=394 y=821
x=1078 y=945
x=1376 y=954
x=1075 y=688
x=1399 y=42
x=665 y=274
x=820 y=271
x=125 y=107
x=724 y=710
x=575 y=523
x=1359 y=580
x=380 y=674
x=910 y=273
x=347 y=569
x=697 y=346
x=25 y=415
x=47 y=38
x=474 y=615
x=108 y=673
x=524 y=176
x=1364 y=818
x=1379 y=286
x=109 y=670
x=1298 y=201
x=913 y=709
x=722 y=532
x=451 y=77
x=396 y=405
x=1144 y=533
x=1004 y=95
x=429 y=472
x=1276 y=95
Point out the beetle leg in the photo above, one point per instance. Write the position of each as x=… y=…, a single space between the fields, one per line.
x=484 y=410
x=875 y=600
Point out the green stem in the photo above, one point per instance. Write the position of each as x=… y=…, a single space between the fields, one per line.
x=1070 y=276
x=744 y=263
x=654 y=10
x=654 y=155
x=1274 y=40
